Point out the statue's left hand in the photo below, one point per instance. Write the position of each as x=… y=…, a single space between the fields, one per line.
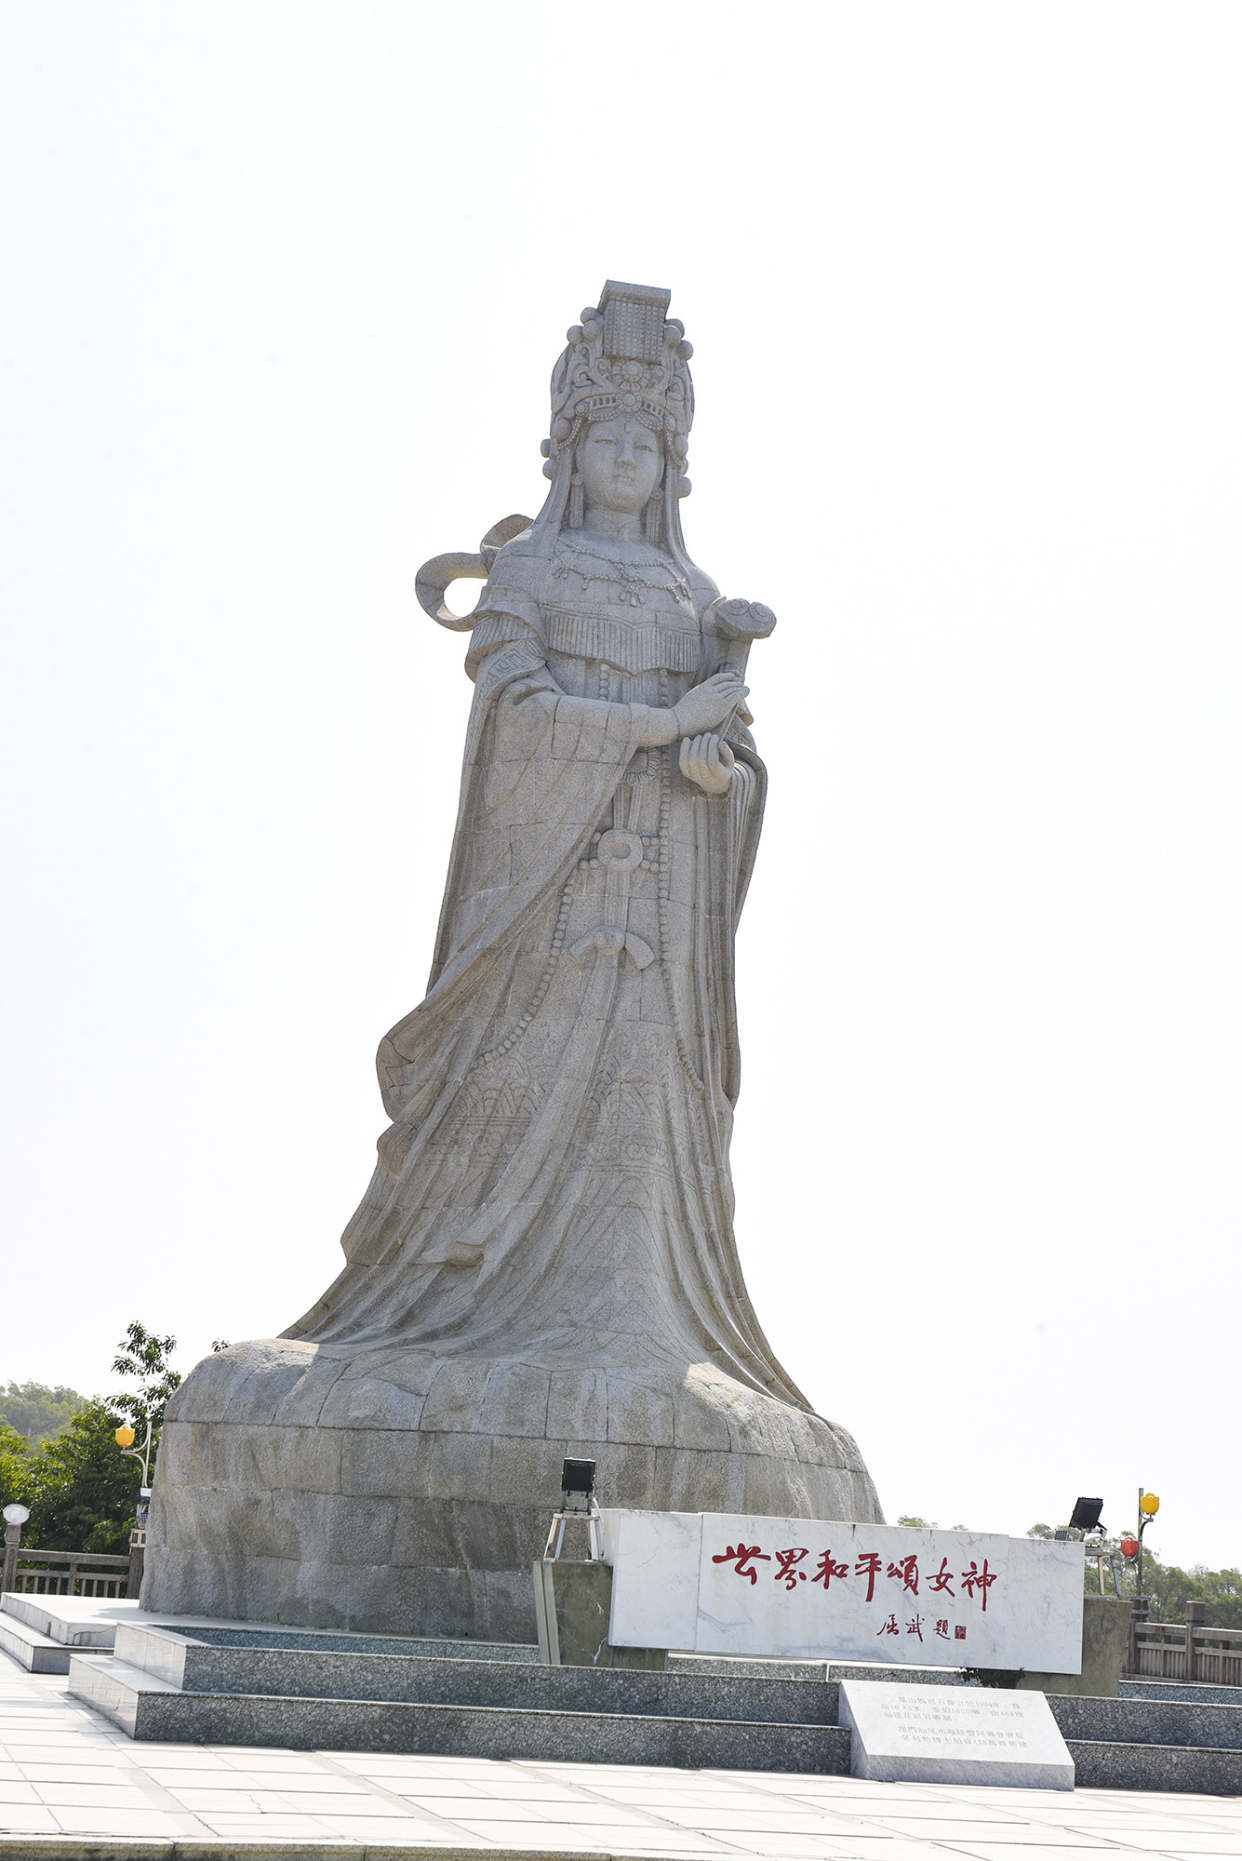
x=708 y=761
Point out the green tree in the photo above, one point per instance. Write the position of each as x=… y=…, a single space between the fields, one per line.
x=83 y=1490
x=1171 y=1588
x=144 y=1356
x=38 y=1411
x=15 y=1466
x=1167 y=1587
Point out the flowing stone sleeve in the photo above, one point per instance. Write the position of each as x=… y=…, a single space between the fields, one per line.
x=539 y=768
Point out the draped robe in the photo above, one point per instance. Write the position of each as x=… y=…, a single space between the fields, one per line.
x=555 y=1180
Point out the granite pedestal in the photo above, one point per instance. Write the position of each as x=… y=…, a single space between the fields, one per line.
x=401 y=1491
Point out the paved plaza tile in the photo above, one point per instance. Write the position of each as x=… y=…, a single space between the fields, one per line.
x=67 y=1772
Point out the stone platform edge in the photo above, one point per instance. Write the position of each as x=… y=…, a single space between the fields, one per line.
x=228 y=1848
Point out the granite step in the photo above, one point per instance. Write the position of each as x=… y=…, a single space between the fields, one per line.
x=150 y=1708
x=92 y=1622
x=1194 y=1692
x=36 y=1652
x=1101 y=1764
x=1171 y=1723
x=192 y=1664
x=789 y=1667
x=74 y=1621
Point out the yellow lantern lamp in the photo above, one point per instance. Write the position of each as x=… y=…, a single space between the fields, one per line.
x=1150 y=1504
x=125 y=1436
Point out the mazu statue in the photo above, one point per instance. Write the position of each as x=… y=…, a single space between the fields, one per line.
x=544 y=1262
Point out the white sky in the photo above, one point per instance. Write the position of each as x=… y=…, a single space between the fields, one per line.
x=285 y=284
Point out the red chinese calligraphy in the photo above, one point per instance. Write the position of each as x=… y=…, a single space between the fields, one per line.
x=907 y=1569
x=867 y=1566
x=959 y=1633
x=942 y=1578
x=828 y=1568
x=983 y=1579
x=740 y=1558
x=915 y=1627
x=787 y=1574
x=942 y=1628
x=889 y=1628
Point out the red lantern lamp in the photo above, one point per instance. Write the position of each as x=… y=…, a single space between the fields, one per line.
x=1129 y=1547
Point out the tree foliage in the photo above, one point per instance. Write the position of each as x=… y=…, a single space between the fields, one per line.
x=37 y=1410
x=144 y=1356
x=14 y=1466
x=1168 y=1588
x=83 y=1491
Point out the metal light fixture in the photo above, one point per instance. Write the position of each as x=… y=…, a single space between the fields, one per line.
x=577 y=1501
x=15 y=1517
x=1086 y=1515
x=1149 y=1505
x=1085 y=1518
x=124 y=1438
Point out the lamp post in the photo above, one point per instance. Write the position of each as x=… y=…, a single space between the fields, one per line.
x=1148 y=1506
x=138 y=1536
x=125 y=1441
x=15 y=1517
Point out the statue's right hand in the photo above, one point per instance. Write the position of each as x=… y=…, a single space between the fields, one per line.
x=706 y=707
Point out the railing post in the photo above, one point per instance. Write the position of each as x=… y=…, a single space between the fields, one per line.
x=1195 y=1613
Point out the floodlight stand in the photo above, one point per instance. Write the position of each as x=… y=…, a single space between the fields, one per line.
x=576 y=1506
x=1103 y=1557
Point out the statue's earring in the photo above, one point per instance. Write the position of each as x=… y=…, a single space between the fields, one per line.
x=576 y=512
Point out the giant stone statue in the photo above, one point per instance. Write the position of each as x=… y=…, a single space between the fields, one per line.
x=544 y=1262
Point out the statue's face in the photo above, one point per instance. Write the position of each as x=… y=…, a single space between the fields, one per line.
x=620 y=465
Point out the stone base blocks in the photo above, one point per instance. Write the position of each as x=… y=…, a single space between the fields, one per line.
x=30 y=1648
x=162 y=1684
x=249 y=1685
x=395 y=1490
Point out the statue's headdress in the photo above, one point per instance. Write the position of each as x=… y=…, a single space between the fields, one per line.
x=625 y=360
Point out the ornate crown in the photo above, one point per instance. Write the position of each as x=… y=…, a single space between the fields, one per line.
x=624 y=360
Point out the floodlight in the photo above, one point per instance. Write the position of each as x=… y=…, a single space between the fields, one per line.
x=578 y=1476
x=577 y=1501
x=1086 y=1515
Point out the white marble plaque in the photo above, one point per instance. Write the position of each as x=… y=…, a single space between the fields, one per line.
x=723 y=1583
x=914 y=1734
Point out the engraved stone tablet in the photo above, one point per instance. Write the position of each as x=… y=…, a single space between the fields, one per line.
x=737 y=1584
x=917 y=1734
